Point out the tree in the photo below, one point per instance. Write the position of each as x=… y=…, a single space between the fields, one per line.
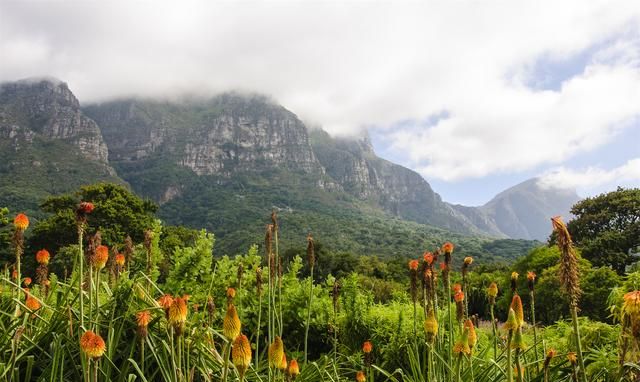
x=118 y=213
x=607 y=228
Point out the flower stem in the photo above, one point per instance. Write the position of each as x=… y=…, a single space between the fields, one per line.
x=535 y=332
x=508 y=353
x=80 y=277
x=576 y=331
x=451 y=331
x=306 y=331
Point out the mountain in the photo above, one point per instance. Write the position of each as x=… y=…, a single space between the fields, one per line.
x=524 y=210
x=403 y=193
x=47 y=144
x=225 y=162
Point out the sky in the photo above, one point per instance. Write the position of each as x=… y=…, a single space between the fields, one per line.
x=476 y=96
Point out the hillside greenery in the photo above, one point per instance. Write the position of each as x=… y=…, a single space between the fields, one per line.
x=351 y=299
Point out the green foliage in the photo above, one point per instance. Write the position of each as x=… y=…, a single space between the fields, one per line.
x=118 y=213
x=191 y=268
x=607 y=228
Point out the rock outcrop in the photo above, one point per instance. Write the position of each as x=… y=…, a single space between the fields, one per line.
x=47 y=108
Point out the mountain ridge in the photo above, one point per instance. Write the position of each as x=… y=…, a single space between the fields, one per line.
x=230 y=143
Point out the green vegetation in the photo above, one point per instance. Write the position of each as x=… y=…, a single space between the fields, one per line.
x=607 y=228
x=354 y=299
x=32 y=171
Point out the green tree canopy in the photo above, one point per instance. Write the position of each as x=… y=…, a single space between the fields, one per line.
x=607 y=228
x=118 y=212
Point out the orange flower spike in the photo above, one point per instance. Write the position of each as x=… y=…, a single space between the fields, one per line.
x=631 y=304
x=26 y=281
x=231 y=324
x=360 y=377
x=367 y=347
x=32 y=303
x=447 y=247
x=428 y=258
x=456 y=288
x=120 y=259
x=42 y=257
x=459 y=296
x=231 y=293
x=143 y=318
x=294 y=369
x=572 y=357
x=165 y=301
x=178 y=314
x=92 y=344
x=283 y=362
x=86 y=207
x=101 y=257
x=21 y=222
x=413 y=265
x=531 y=276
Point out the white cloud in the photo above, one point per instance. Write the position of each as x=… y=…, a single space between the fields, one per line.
x=591 y=177
x=348 y=65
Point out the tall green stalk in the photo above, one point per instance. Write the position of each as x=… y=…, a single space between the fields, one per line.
x=518 y=367
x=535 y=332
x=576 y=331
x=80 y=277
x=495 y=333
x=306 y=330
x=450 y=320
x=508 y=353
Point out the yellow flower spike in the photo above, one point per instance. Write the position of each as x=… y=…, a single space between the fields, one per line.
x=360 y=376
x=492 y=291
x=473 y=337
x=516 y=305
x=468 y=260
x=431 y=326
x=231 y=325
x=241 y=354
x=276 y=352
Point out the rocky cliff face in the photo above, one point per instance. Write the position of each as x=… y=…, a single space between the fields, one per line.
x=220 y=136
x=396 y=189
x=47 y=108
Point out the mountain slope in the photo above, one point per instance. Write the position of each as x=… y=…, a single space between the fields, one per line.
x=47 y=145
x=523 y=211
x=391 y=187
